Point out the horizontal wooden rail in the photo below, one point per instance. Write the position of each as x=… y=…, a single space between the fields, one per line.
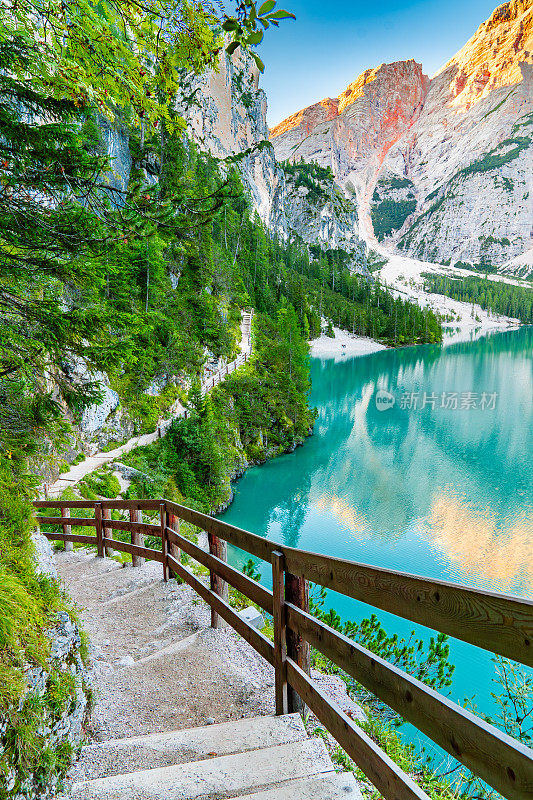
x=133 y=549
x=492 y=621
x=70 y=537
x=257 y=593
x=141 y=505
x=134 y=527
x=254 y=637
x=386 y=776
x=495 y=622
x=87 y=522
x=64 y=503
x=250 y=542
x=495 y=757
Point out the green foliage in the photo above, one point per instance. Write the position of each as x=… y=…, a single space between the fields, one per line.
x=316 y=179
x=495 y=159
x=245 y=29
x=28 y=606
x=395 y=183
x=100 y=483
x=249 y=569
x=413 y=763
x=259 y=411
x=28 y=601
x=487 y=268
x=46 y=246
x=389 y=215
x=79 y=51
x=495 y=296
x=428 y=662
x=515 y=702
x=153 y=42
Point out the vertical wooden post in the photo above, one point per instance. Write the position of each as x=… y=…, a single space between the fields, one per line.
x=164 y=540
x=67 y=530
x=218 y=548
x=280 y=633
x=136 y=536
x=99 y=531
x=174 y=523
x=107 y=532
x=297 y=593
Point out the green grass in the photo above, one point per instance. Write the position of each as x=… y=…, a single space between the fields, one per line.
x=100 y=483
x=29 y=603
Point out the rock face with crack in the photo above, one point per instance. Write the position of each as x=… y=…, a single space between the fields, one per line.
x=441 y=168
x=226 y=115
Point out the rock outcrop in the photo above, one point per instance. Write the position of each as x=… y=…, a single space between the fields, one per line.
x=320 y=212
x=441 y=168
x=48 y=721
x=226 y=115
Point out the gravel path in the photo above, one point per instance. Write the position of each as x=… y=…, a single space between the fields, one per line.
x=157 y=664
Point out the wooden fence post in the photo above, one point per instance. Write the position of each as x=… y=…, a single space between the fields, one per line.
x=280 y=633
x=174 y=522
x=297 y=593
x=164 y=540
x=99 y=532
x=67 y=530
x=107 y=532
x=218 y=548
x=137 y=537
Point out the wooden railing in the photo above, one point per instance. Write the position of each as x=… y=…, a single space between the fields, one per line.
x=494 y=622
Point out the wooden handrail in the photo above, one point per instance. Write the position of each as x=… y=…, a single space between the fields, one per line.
x=479 y=746
x=257 y=593
x=492 y=621
x=386 y=776
x=498 y=623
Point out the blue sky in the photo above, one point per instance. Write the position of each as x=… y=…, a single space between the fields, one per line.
x=333 y=41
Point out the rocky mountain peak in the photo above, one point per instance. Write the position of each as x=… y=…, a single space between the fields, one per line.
x=308 y=118
x=387 y=77
x=353 y=132
x=440 y=168
x=492 y=58
x=388 y=95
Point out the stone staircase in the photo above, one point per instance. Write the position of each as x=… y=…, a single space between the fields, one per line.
x=246 y=331
x=263 y=758
x=182 y=710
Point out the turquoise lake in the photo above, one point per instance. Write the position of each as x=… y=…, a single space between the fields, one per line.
x=432 y=477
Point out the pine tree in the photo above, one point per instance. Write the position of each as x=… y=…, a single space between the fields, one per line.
x=51 y=238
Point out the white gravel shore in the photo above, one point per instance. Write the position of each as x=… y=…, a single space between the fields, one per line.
x=344 y=345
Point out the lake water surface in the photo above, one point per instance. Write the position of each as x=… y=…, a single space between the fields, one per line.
x=437 y=483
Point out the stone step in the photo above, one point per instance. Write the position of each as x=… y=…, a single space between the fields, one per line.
x=87 y=582
x=84 y=563
x=218 y=777
x=330 y=786
x=135 y=753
